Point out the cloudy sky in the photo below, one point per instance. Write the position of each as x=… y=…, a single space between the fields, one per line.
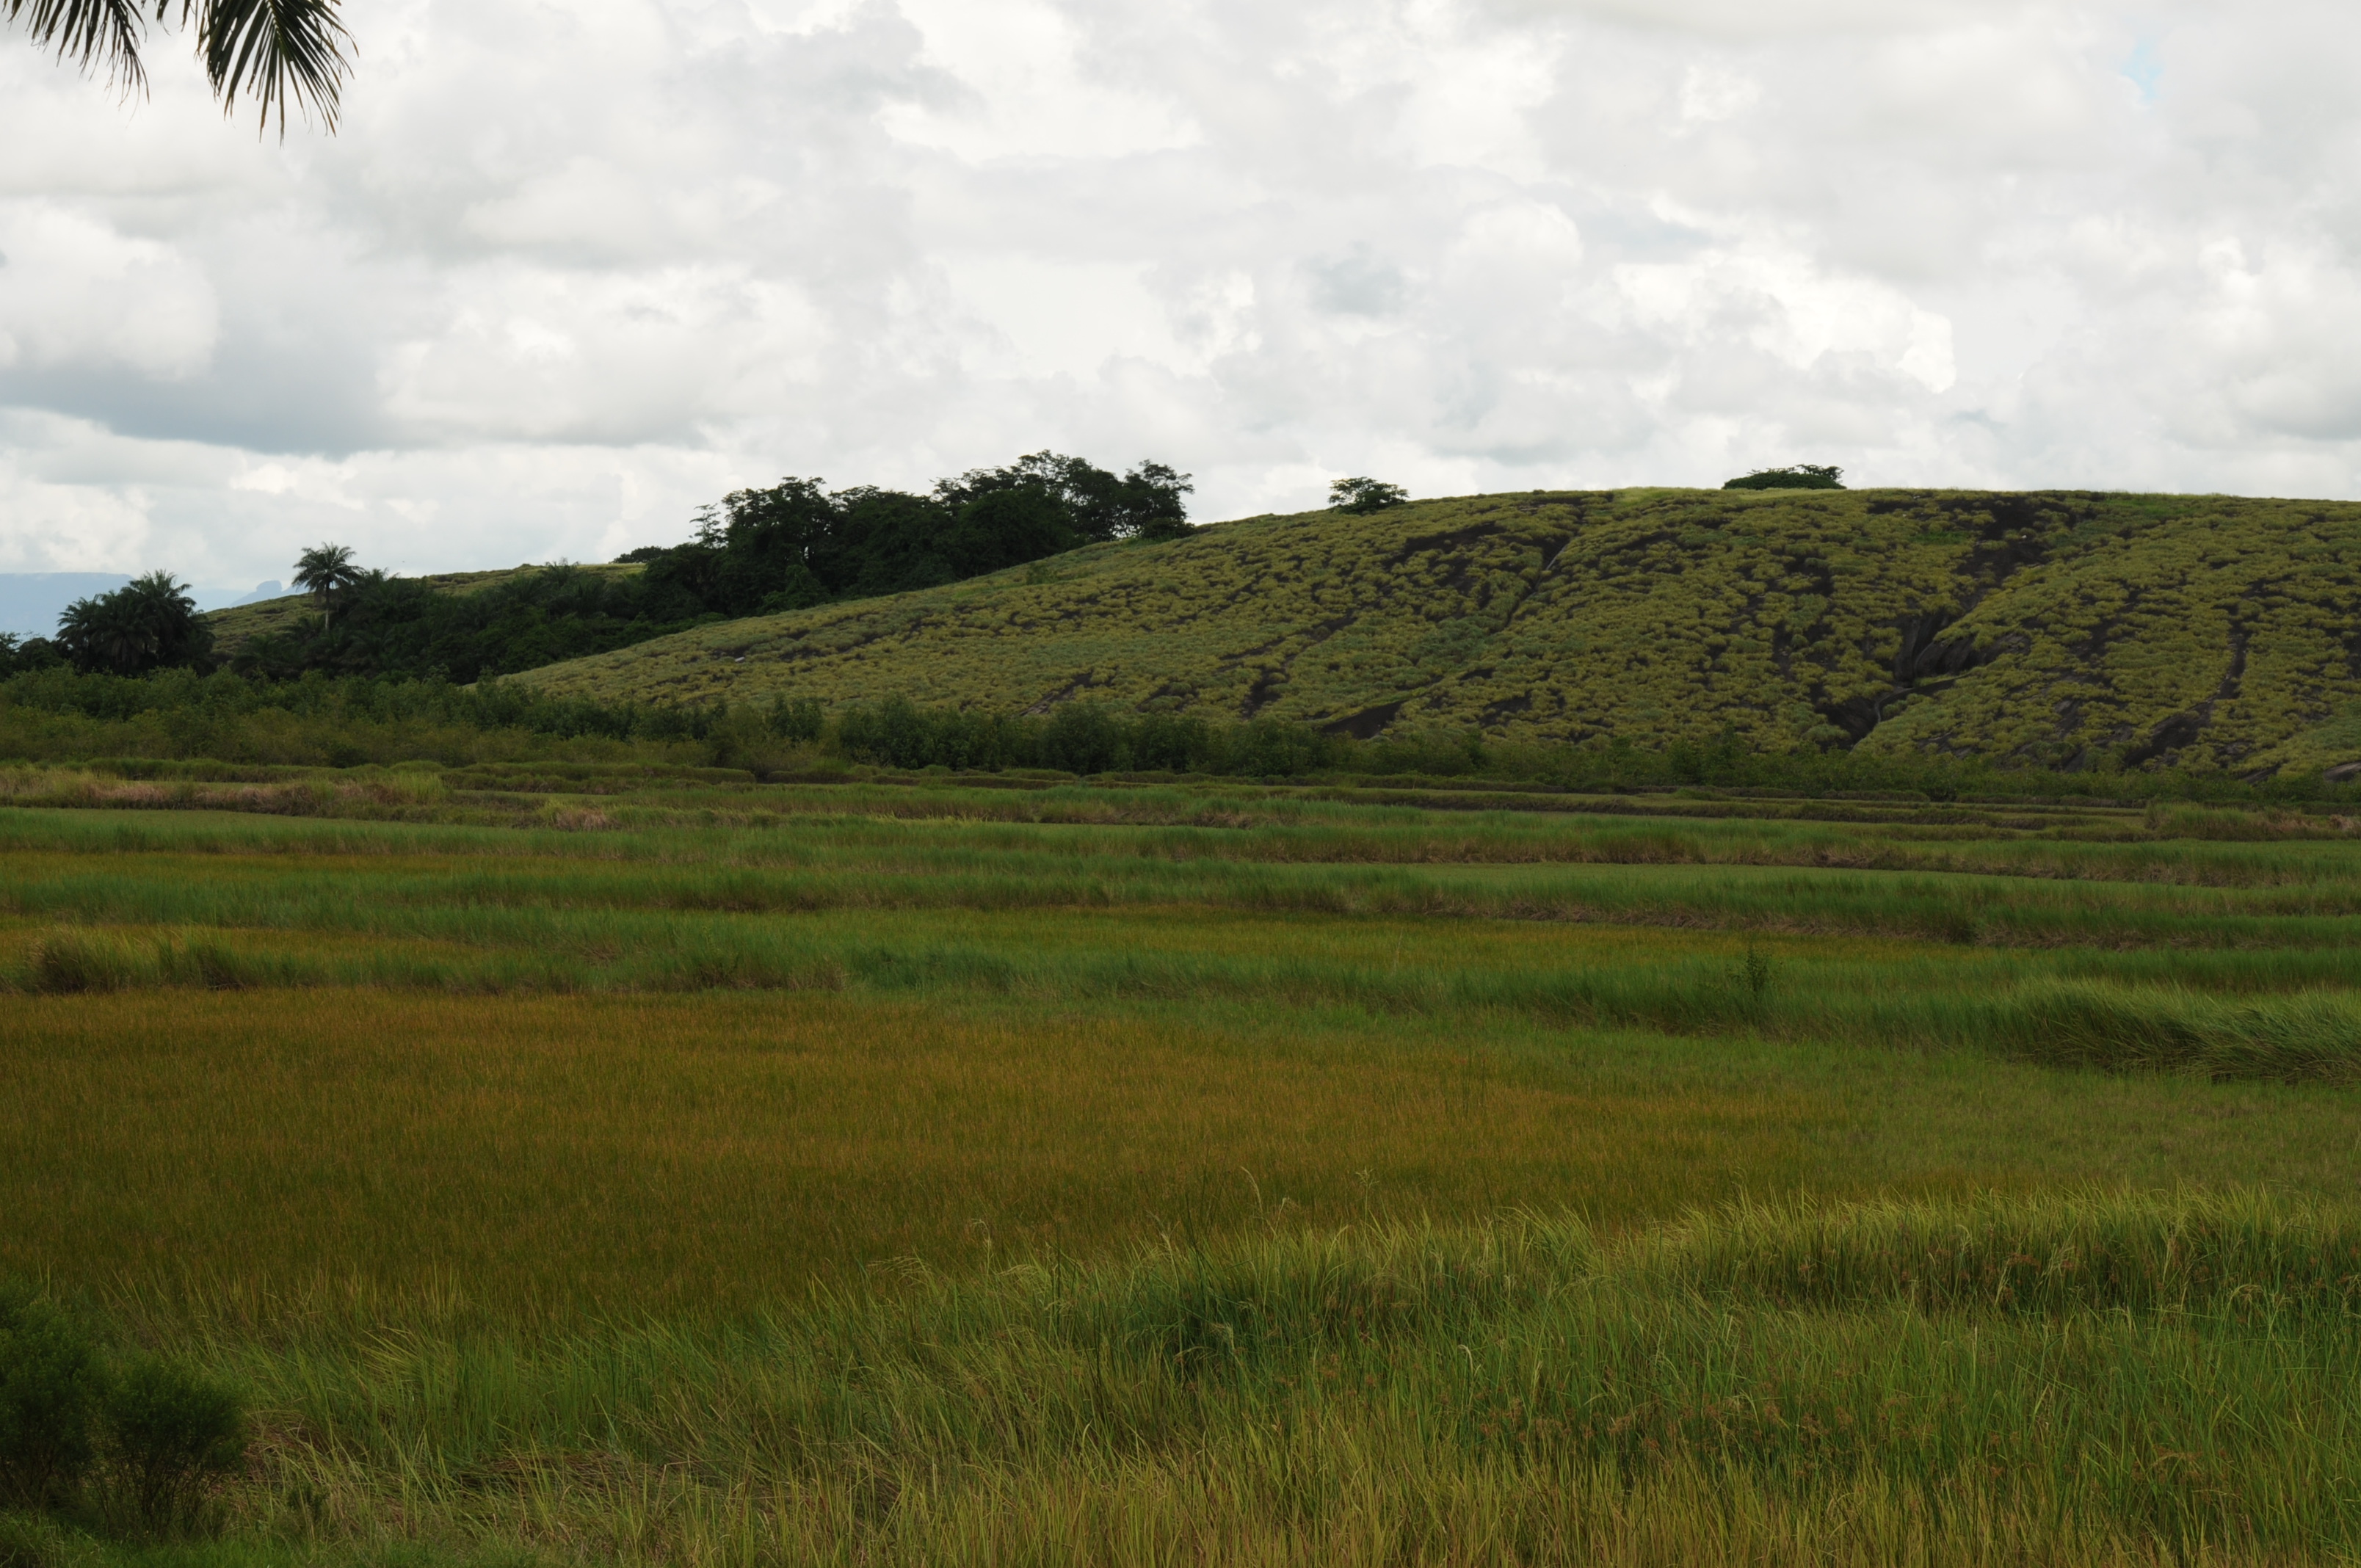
x=570 y=269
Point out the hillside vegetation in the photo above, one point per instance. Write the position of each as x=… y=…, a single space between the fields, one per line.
x=240 y=626
x=2058 y=629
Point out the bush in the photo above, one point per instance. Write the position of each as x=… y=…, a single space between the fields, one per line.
x=1272 y=747
x=172 y=1432
x=1363 y=494
x=51 y=1386
x=1086 y=738
x=1802 y=477
x=796 y=718
x=169 y=1432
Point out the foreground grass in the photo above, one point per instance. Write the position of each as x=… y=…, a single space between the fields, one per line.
x=1317 y=1182
x=2080 y=1379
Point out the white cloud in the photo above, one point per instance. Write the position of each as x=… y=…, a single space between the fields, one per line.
x=1047 y=316
x=1710 y=92
x=74 y=291
x=1778 y=302
x=568 y=272
x=61 y=525
x=1030 y=90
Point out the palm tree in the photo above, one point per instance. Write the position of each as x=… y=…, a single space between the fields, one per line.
x=323 y=570
x=148 y=623
x=274 y=51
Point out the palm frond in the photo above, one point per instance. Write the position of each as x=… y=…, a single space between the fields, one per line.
x=88 y=32
x=275 y=51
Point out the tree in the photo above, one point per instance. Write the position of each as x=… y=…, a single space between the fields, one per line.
x=1802 y=477
x=323 y=571
x=1153 y=506
x=1096 y=506
x=23 y=655
x=1365 y=495
x=149 y=623
x=274 y=51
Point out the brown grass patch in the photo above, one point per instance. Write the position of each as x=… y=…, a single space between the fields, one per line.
x=707 y=1153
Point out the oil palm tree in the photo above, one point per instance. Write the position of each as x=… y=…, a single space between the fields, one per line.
x=323 y=571
x=148 y=623
x=274 y=51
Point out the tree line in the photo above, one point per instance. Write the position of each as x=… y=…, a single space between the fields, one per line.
x=757 y=552
x=796 y=545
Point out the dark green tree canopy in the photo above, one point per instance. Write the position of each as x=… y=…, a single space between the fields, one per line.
x=149 y=623
x=797 y=543
x=1089 y=501
x=1802 y=477
x=1365 y=495
x=23 y=655
x=275 y=52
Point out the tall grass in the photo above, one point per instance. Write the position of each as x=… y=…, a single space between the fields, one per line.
x=2288 y=1016
x=317 y=885
x=2085 y=1377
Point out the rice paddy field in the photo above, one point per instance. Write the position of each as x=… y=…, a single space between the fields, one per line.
x=936 y=1169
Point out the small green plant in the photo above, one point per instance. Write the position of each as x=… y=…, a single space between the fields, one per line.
x=173 y=1434
x=1754 y=976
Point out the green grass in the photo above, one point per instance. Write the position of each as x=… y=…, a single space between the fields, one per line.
x=918 y=1173
x=2081 y=628
x=2220 y=957
x=2085 y=1377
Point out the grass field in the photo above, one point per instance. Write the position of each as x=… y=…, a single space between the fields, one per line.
x=1203 y=1172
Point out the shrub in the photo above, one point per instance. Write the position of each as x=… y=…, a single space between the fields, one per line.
x=1268 y=747
x=172 y=1431
x=52 y=1386
x=795 y=718
x=1086 y=738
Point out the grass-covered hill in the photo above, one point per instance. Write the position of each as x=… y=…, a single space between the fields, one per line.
x=2059 y=628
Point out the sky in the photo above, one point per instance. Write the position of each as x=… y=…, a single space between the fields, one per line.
x=567 y=272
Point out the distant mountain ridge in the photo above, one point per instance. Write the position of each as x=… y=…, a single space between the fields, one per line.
x=2057 y=629
x=31 y=602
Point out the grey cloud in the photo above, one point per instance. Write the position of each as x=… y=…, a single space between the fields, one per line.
x=1359 y=283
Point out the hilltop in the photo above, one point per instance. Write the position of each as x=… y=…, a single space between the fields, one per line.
x=2058 y=629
